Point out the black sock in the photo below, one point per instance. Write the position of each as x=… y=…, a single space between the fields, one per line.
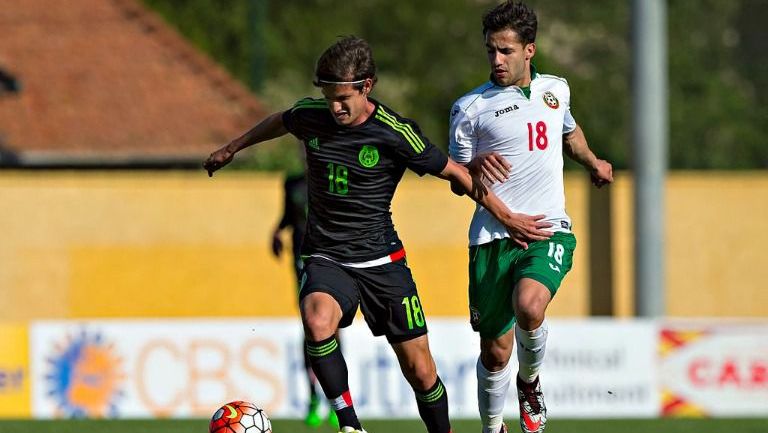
x=331 y=371
x=433 y=408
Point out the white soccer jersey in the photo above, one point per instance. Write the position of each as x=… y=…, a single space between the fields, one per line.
x=528 y=132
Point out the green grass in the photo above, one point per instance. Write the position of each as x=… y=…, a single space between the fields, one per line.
x=750 y=425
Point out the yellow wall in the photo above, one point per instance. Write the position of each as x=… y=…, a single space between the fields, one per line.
x=149 y=244
x=152 y=244
x=715 y=244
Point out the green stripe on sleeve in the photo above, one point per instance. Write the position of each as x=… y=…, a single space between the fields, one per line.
x=403 y=128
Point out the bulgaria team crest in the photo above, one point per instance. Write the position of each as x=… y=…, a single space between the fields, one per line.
x=551 y=100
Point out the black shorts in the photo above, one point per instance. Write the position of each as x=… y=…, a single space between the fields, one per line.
x=386 y=295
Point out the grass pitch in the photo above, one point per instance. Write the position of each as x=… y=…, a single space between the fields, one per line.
x=750 y=425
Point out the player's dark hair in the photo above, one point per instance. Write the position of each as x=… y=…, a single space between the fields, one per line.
x=349 y=59
x=514 y=16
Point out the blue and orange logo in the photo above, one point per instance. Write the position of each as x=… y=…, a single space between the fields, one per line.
x=85 y=377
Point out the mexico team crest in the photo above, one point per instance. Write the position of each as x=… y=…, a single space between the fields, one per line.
x=368 y=156
x=551 y=100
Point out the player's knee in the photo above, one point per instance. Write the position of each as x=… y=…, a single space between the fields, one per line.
x=320 y=314
x=421 y=374
x=495 y=358
x=530 y=312
x=531 y=307
x=318 y=327
x=319 y=322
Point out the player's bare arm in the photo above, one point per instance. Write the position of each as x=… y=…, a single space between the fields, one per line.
x=521 y=227
x=490 y=166
x=267 y=129
x=576 y=147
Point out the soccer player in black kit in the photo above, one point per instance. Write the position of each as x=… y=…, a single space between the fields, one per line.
x=357 y=150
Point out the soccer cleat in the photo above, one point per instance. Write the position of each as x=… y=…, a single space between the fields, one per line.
x=533 y=411
x=346 y=429
x=313 y=418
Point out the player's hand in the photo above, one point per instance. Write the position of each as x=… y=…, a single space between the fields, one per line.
x=277 y=244
x=491 y=166
x=602 y=173
x=456 y=188
x=524 y=228
x=217 y=160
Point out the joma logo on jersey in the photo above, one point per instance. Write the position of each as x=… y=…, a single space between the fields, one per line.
x=551 y=100
x=314 y=143
x=509 y=109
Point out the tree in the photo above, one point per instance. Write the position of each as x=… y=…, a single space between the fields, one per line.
x=430 y=52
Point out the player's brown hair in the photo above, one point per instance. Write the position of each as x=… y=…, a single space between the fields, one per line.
x=515 y=16
x=349 y=59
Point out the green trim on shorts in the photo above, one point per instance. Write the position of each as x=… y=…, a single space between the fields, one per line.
x=495 y=269
x=552 y=286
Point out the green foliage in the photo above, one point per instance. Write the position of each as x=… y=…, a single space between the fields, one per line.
x=429 y=52
x=590 y=47
x=425 y=56
x=284 y=154
x=714 y=113
x=218 y=27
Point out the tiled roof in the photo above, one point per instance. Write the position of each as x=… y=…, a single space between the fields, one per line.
x=107 y=80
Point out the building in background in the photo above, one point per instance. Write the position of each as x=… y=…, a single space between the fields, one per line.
x=109 y=84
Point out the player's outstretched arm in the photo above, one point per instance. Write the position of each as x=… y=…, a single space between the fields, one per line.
x=521 y=227
x=269 y=128
x=576 y=147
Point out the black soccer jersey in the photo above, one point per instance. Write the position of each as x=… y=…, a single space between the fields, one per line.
x=352 y=174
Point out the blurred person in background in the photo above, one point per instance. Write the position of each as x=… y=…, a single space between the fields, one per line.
x=357 y=150
x=294 y=218
x=512 y=131
x=8 y=82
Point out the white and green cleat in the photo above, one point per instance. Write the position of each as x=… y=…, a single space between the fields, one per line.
x=346 y=429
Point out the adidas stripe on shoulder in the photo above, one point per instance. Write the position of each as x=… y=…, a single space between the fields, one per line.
x=402 y=128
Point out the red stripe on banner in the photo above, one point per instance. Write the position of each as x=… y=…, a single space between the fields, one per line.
x=397 y=255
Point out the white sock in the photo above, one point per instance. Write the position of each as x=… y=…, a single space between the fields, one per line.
x=530 y=350
x=491 y=394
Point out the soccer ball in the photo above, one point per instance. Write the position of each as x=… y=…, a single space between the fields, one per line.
x=240 y=417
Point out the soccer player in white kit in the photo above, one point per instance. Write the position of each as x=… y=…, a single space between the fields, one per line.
x=512 y=132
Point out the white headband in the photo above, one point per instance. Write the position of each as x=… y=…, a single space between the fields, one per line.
x=319 y=81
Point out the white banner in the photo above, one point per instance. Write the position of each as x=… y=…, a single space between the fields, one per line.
x=603 y=368
x=714 y=369
x=176 y=368
x=183 y=368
